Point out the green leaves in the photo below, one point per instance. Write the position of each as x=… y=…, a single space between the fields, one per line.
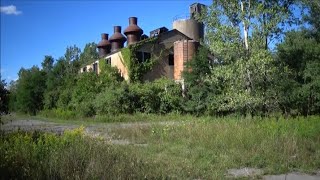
x=30 y=90
x=4 y=98
x=300 y=53
x=89 y=54
x=137 y=69
x=244 y=75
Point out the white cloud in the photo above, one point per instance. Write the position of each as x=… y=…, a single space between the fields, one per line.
x=10 y=10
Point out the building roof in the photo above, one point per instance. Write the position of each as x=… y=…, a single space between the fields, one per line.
x=166 y=39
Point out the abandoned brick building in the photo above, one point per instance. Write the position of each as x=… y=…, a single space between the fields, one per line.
x=173 y=47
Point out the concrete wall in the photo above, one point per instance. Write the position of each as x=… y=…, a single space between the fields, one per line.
x=160 y=69
x=117 y=61
x=190 y=27
x=90 y=67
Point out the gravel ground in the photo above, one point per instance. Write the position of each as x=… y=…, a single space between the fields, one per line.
x=96 y=130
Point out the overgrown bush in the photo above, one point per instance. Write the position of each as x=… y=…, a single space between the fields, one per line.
x=109 y=101
x=160 y=96
x=58 y=113
x=69 y=156
x=86 y=109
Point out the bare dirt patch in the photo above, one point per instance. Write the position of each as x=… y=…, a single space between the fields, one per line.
x=255 y=173
x=99 y=130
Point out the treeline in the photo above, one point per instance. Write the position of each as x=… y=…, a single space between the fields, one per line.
x=247 y=75
x=58 y=89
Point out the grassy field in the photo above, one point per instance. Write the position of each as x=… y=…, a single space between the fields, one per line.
x=123 y=118
x=189 y=148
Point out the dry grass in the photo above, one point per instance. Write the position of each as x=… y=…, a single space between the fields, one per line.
x=197 y=148
x=203 y=147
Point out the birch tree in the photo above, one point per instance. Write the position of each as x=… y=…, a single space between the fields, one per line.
x=239 y=33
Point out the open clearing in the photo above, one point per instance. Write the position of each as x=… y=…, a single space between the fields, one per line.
x=96 y=130
x=202 y=147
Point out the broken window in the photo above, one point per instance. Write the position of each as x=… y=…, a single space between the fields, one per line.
x=108 y=60
x=143 y=56
x=95 y=68
x=171 y=60
x=146 y=56
x=139 y=56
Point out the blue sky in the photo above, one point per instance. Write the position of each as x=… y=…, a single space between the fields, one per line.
x=31 y=29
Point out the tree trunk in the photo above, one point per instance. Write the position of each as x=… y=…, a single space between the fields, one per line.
x=245 y=27
x=246 y=43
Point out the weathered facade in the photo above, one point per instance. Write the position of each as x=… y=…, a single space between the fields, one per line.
x=169 y=49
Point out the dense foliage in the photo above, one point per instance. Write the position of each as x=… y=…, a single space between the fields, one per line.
x=4 y=98
x=70 y=156
x=136 y=69
x=248 y=75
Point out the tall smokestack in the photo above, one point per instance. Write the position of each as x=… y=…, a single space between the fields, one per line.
x=117 y=39
x=195 y=9
x=104 y=45
x=133 y=31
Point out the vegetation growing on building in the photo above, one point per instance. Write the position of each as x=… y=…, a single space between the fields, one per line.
x=246 y=79
x=135 y=68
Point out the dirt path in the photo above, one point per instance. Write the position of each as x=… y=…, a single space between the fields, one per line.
x=32 y=125
x=97 y=130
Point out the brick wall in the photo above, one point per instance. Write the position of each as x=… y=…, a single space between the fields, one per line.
x=183 y=52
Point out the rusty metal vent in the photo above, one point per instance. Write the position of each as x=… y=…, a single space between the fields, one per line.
x=117 y=39
x=104 y=41
x=133 y=31
x=133 y=27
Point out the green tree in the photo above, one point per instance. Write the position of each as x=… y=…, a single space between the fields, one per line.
x=30 y=90
x=198 y=67
x=13 y=96
x=54 y=83
x=72 y=57
x=300 y=53
x=47 y=64
x=62 y=79
x=238 y=34
x=84 y=93
x=313 y=7
x=89 y=54
x=299 y=56
x=4 y=98
x=197 y=90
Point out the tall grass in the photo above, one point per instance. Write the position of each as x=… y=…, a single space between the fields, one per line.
x=70 y=156
x=207 y=148
x=69 y=116
x=202 y=148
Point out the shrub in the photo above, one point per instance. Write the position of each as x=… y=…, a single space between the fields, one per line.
x=108 y=101
x=70 y=156
x=86 y=109
x=58 y=113
x=160 y=96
